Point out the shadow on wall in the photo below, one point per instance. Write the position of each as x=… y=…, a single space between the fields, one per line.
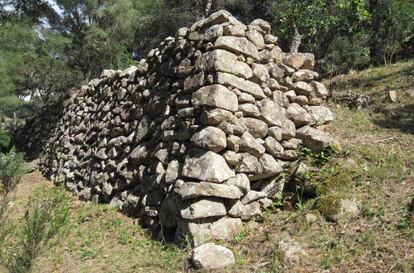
x=401 y=118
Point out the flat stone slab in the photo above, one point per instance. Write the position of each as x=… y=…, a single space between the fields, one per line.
x=190 y=190
x=203 y=208
x=238 y=45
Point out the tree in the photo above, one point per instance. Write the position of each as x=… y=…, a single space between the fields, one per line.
x=33 y=63
x=392 y=22
x=313 y=24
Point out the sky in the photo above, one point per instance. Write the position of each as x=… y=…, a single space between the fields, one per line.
x=54 y=6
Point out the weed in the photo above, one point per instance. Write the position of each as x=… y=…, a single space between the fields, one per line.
x=320 y=158
x=275 y=264
x=370 y=212
x=241 y=236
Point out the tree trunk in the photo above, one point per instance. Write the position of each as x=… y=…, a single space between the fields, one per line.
x=203 y=8
x=296 y=40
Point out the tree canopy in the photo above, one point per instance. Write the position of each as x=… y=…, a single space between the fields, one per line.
x=49 y=46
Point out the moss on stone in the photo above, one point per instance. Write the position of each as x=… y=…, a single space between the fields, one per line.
x=340 y=180
x=329 y=205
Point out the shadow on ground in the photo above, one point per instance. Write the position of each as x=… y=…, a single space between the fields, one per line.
x=393 y=79
x=401 y=118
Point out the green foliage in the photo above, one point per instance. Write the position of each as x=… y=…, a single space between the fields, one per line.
x=46 y=215
x=320 y=158
x=4 y=140
x=319 y=21
x=392 y=22
x=11 y=170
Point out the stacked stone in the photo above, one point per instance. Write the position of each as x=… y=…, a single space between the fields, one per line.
x=195 y=137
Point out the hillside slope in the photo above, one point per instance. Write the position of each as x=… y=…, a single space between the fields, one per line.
x=375 y=167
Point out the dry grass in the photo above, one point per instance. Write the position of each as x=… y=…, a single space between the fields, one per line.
x=97 y=239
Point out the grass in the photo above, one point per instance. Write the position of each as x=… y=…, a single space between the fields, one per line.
x=97 y=238
x=375 y=165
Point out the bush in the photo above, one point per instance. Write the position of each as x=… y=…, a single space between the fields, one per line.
x=11 y=170
x=5 y=139
x=47 y=213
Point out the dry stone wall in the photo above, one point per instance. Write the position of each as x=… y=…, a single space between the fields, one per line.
x=194 y=138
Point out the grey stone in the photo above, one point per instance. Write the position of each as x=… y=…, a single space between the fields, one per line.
x=304 y=75
x=206 y=166
x=197 y=231
x=320 y=89
x=249 y=144
x=238 y=209
x=203 y=208
x=303 y=88
x=223 y=61
x=237 y=30
x=247 y=86
x=207 y=34
x=252 y=196
x=273 y=186
x=212 y=257
x=232 y=158
x=276 y=133
x=252 y=211
x=241 y=181
x=321 y=114
x=298 y=115
x=255 y=37
x=256 y=127
x=273 y=147
x=262 y=24
x=314 y=138
x=225 y=229
x=190 y=190
x=246 y=98
x=247 y=164
x=216 y=96
x=260 y=72
x=237 y=45
x=249 y=110
x=216 y=116
x=272 y=113
x=210 y=138
x=172 y=172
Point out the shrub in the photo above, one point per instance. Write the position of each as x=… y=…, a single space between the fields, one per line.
x=11 y=170
x=47 y=213
x=4 y=140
